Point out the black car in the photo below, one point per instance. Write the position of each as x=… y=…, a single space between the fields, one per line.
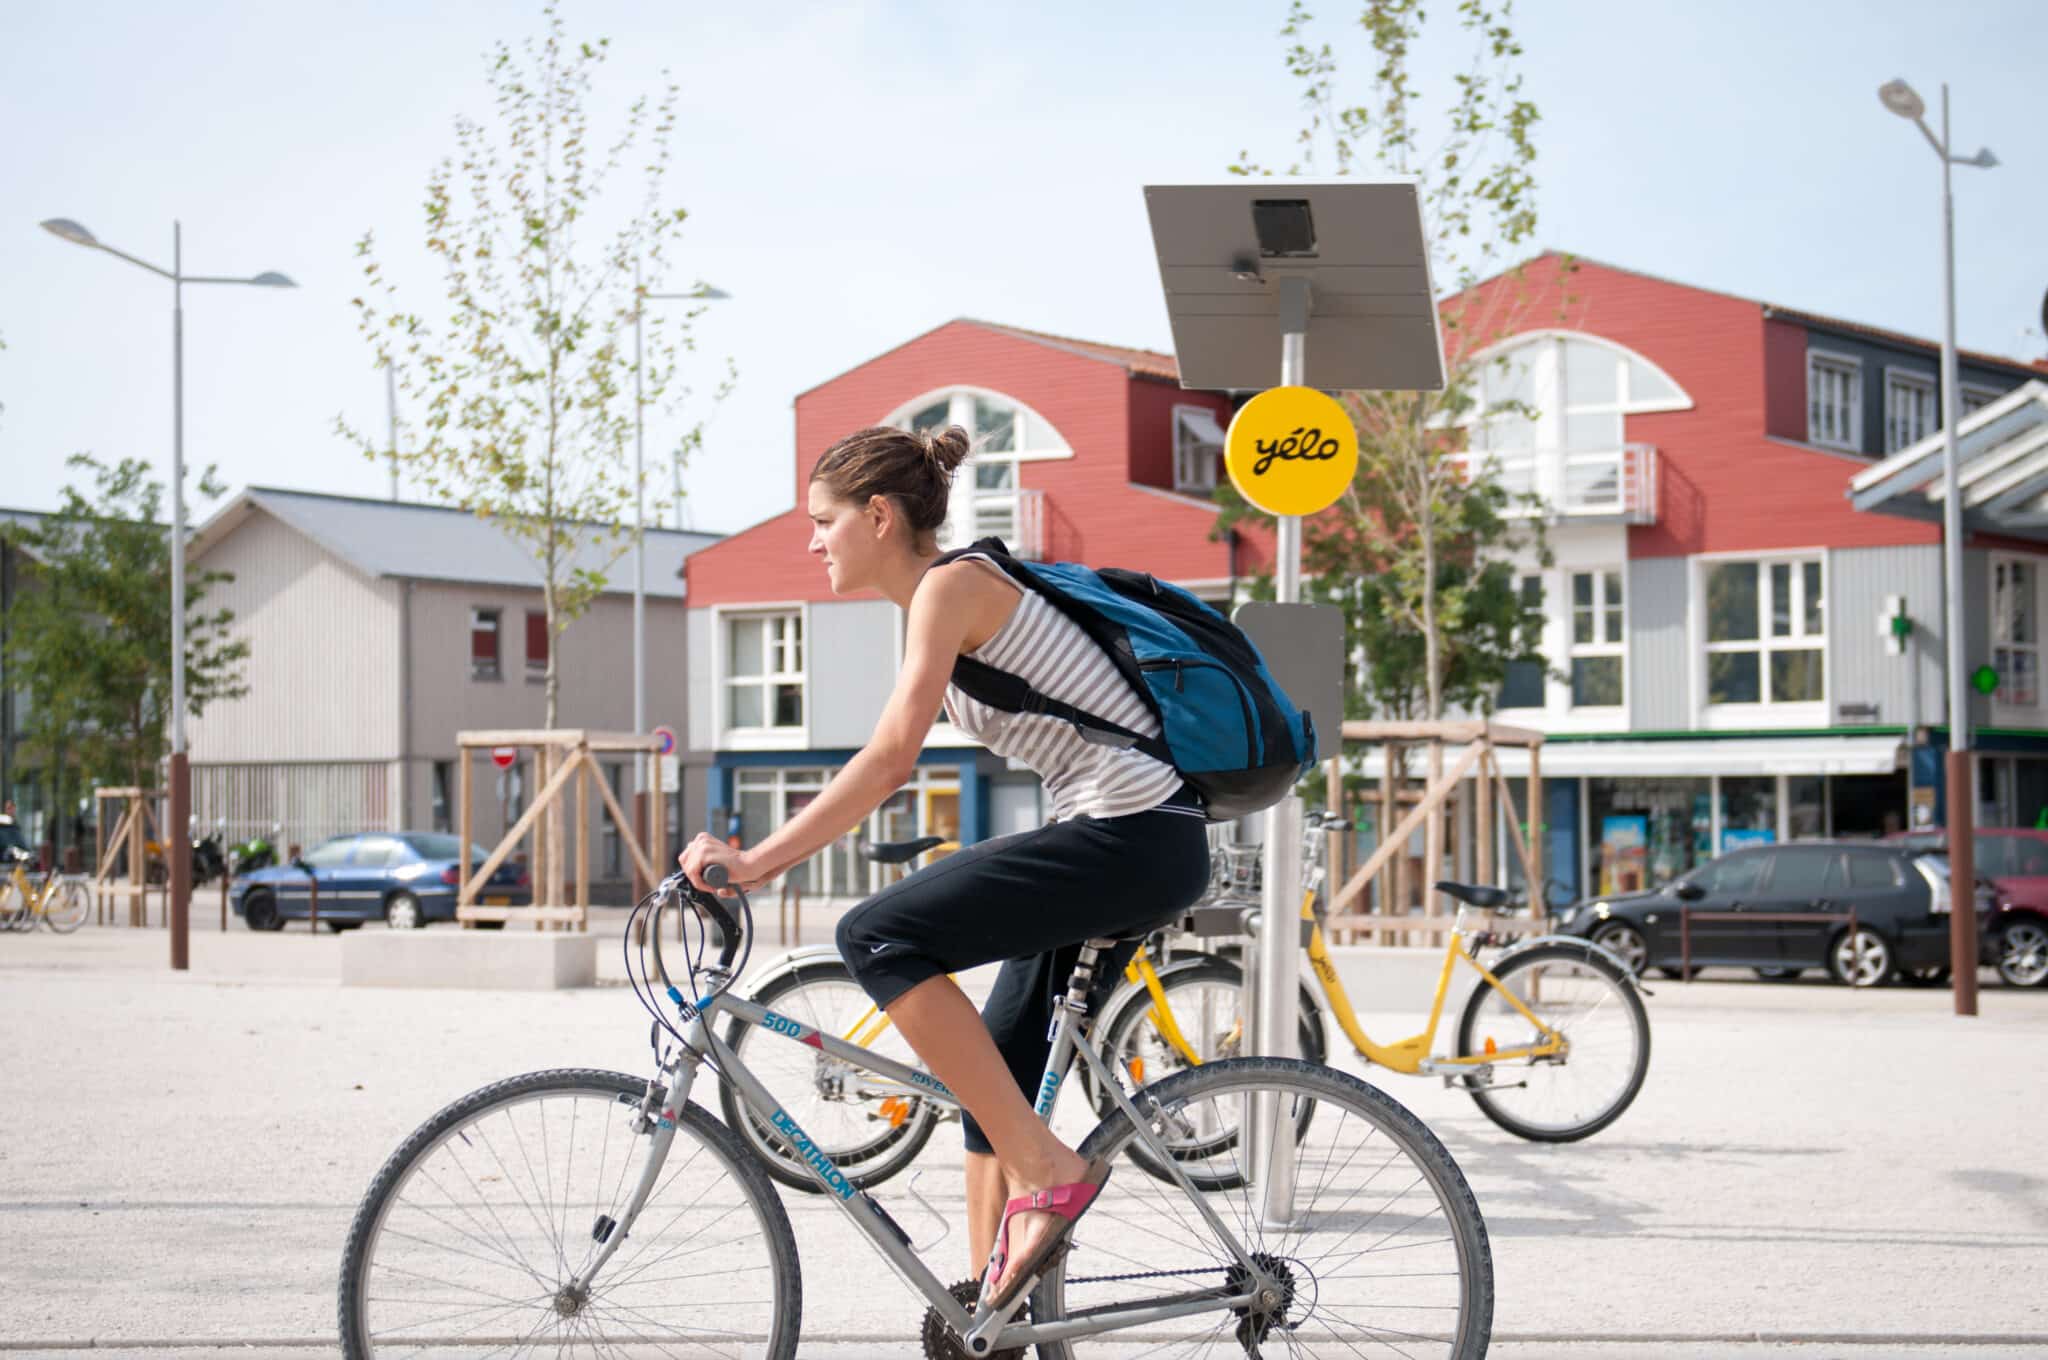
x=1783 y=909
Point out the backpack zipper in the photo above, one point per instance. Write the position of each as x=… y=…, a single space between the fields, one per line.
x=1179 y=666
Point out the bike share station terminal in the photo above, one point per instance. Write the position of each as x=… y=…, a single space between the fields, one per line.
x=1334 y=279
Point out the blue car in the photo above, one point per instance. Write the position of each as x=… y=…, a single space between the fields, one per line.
x=403 y=878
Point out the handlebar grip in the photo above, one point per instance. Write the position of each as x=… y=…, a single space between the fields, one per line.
x=728 y=925
x=716 y=875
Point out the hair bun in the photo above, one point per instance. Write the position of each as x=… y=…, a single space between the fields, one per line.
x=946 y=449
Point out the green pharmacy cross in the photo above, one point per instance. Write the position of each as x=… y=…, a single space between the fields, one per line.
x=1985 y=680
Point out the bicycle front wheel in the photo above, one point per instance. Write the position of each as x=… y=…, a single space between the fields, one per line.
x=67 y=906
x=472 y=1237
x=1379 y=1250
x=1582 y=997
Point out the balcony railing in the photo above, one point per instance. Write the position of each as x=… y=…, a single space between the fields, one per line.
x=1581 y=484
x=1016 y=517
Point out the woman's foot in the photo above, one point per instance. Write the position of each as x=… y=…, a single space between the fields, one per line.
x=1062 y=1195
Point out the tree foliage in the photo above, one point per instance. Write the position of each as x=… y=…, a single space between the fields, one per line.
x=526 y=376
x=1417 y=550
x=89 y=636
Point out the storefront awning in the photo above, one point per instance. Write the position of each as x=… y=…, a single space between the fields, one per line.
x=2001 y=470
x=1876 y=754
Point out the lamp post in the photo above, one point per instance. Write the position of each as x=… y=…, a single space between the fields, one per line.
x=1901 y=99
x=181 y=774
x=701 y=293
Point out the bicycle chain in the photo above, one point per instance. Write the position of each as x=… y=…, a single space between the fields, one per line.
x=1141 y=1275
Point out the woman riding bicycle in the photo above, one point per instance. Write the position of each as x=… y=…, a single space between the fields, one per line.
x=1125 y=848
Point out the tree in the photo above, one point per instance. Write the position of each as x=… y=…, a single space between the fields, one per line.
x=1416 y=550
x=89 y=639
x=527 y=378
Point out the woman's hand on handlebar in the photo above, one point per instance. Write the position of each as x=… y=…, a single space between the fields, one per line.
x=706 y=850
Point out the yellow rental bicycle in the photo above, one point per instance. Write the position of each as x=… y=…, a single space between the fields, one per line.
x=1553 y=1043
x=58 y=902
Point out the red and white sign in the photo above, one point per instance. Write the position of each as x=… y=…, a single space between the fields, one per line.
x=667 y=737
x=503 y=756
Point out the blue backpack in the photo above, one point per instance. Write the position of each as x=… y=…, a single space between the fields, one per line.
x=1226 y=725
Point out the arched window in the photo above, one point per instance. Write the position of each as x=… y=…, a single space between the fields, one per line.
x=1547 y=418
x=987 y=497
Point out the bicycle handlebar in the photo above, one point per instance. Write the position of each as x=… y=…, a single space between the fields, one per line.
x=680 y=886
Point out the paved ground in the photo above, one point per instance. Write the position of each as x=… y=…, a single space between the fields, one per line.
x=179 y=1156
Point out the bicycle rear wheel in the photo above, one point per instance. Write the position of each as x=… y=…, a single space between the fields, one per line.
x=67 y=906
x=1385 y=1252
x=468 y=1240
x=1579 y=994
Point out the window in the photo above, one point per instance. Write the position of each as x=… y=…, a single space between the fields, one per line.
x=444 y=777
x=1766 y=632
x=1599 y=641
x=330 y=854
x=483 y=644
x=1546 y=418
x=536 y=644
x=987 y=498
x=1523 y=686
x=1738 y=873
x=764 y=671
x=2015 y=632
x=1797 y=873
x=2029 y=857
x=1975 y=398
x=380 y=852
x=1873 y=870
x=1908 y=409
x=1197 y=448
x=1834 y=401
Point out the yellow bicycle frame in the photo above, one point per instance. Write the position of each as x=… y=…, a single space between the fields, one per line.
x=1405 y=1055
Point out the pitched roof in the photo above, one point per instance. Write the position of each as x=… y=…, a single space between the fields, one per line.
x=1144 y=363
x=1804 y=318
x=1901 y=338
x=412 y=541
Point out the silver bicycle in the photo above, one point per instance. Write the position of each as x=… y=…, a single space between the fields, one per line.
x=595 y=1213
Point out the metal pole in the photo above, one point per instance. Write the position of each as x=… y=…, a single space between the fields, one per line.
x=181 y=774
x=1279 y=955
x=1962 y=784
x=639 y=538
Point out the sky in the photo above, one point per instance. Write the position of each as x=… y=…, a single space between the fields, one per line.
x=858 y=173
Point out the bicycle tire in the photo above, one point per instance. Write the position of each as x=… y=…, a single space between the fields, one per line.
x=1576 y=1012
x=1127 y=1029
x=865 y=1161
x=610 y=1093
x=1440 y=1231
x=67 y=906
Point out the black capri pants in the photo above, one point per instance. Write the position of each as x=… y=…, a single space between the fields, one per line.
x=1030 y=900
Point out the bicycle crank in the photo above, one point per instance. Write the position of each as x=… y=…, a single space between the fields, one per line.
x=942 y=1343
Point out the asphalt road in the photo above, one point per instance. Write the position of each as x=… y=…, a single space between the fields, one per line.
x=1809 y=1172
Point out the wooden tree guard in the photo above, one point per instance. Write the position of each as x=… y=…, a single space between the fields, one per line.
x=563 y=759
x=1490 y=789
x=132 y=826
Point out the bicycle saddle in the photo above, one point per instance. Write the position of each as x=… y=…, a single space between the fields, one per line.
x=901 y=852
x=1473 y=894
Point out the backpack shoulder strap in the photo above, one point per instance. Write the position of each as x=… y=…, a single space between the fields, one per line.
x=1011 y=694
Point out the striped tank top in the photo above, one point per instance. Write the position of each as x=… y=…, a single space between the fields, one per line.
x=1048 y=650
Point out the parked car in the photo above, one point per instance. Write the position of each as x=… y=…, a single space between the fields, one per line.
x=2016 y=858
x=403 y=878
x=1778 y=910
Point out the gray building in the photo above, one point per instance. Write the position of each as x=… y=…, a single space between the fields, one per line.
x=378 y=630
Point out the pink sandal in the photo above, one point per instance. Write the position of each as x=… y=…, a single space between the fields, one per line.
x=1069 y=1202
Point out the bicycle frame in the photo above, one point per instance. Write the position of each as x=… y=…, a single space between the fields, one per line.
x=701 y=1041
x=1410 y=1056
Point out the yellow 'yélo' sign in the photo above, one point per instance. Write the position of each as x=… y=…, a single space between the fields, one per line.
x=1291 y=451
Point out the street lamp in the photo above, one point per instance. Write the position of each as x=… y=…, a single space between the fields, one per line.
x=1901 y=99
x=703 y=292
x=181 y=774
